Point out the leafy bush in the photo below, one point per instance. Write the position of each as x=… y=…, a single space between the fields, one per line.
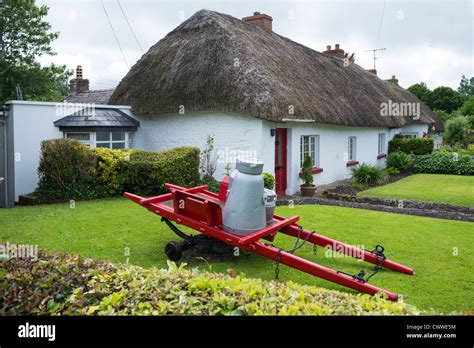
x=66 y=171
x=392 y=171
x=145 y=173
x=211 y=182
x=306 y=171
x=470 y=148
x=268 y=181
x=358 y=186
x=106 y=169
x=399 y=160
x=70 y=170
x=71 y=285
x=416 y=146
x=367 y=174
x=444 y=162
x=457 y=131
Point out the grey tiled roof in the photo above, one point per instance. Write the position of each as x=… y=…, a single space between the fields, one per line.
x=102 y=118
x=98 y=96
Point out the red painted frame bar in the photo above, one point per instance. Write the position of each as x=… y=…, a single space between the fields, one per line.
x=312 y=268
x=168 y=196
x=293 y=230
x=268 y=230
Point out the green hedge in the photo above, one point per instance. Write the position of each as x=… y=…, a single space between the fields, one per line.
x=444 y=162
x=58 y=284
x=69 y=170
x=416 y=146
x=145 y=173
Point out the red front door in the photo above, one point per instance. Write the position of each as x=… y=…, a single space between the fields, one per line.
x=280 y=161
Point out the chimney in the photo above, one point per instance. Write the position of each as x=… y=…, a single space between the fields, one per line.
x=337 y=52
x=393 y=80
x=263 y=20
x=373 y=71
x=78 y=84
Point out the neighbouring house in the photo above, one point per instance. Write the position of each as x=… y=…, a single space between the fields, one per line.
x=256 y=92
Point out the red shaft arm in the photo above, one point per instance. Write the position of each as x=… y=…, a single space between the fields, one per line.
x=318 y=270
x=346 y=249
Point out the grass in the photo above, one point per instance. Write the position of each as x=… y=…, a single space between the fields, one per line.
x=102 y=229
x=451 y=189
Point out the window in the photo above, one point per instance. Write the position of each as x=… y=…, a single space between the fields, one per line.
x=410 y=134
x=83 y=138
x=352 y=142
x=109 y=140
x=381 y=148
x=309 y=146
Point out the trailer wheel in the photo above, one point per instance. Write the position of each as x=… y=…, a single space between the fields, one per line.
x=174 y=251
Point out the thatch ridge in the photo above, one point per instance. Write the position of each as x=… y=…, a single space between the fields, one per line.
x=215 y=62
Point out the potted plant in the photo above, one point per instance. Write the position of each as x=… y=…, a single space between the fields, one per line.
x=308 y=188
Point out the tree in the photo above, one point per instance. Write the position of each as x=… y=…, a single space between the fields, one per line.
x=468 y=107
x=36 y=82
x=445 y=98
x=421 y=91
x=24 y=36
x=443 y=115
x=457 y=131
x=466 y=87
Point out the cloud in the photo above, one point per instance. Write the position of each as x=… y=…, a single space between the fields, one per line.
x=428 y=41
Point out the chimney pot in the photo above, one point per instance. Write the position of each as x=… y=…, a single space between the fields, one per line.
x=79 y=72
x=78 y=84
x=337 y=52
x=393 y=77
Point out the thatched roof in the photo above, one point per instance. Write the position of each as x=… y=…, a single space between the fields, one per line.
x=213 y=61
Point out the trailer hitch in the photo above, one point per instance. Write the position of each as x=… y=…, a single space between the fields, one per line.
x=380 y=258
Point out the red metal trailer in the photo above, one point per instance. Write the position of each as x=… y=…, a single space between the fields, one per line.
x=201 y=210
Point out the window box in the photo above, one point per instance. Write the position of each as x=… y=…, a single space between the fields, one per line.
x=314 y=171
x=352 y=163
x=381 y=155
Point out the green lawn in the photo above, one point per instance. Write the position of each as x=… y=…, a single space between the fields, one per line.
x=452 y=189
x=102 y=229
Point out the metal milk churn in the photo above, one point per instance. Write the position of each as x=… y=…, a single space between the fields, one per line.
x=244 y=210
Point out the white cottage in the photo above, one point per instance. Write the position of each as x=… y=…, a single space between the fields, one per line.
x=253 y=90
x=258 y=92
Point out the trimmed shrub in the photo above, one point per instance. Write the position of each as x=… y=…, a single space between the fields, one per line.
x=66 y=171
x=106 y=170
x=145 y=173
x=399 y=160
x=58 y=284
x=367 y=174
x=416 y=146
x=444 y=162
x=69 y=170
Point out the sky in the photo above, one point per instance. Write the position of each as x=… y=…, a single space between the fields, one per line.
x=429 y=40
